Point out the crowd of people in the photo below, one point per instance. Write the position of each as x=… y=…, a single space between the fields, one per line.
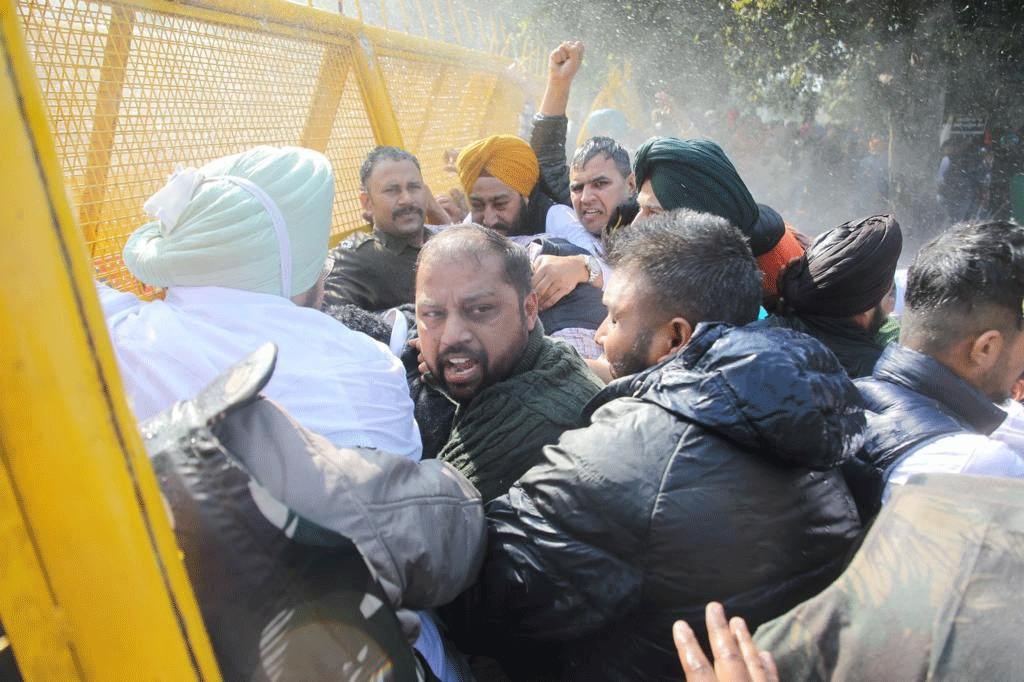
x=571 y=425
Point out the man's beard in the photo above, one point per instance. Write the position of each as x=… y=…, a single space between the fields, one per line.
x=501 y=369
x=518 y=226
x=877 y=320
x=636 y=359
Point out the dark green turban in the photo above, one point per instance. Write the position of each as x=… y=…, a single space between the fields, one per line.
x=695 y=174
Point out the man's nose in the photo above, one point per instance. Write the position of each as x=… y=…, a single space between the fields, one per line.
x=454 y=331
x=602 y=333
x=490 y=217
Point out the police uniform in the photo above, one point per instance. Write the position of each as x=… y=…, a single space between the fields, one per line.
x=372 y=270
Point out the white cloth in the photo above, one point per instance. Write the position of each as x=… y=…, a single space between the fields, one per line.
x=561 y=221
x=1001 y=454
x=334 y=381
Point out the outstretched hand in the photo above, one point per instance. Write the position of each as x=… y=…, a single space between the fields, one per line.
x=565 y=60
x=736 y=657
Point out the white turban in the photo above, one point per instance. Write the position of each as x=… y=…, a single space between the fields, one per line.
x=257 y=221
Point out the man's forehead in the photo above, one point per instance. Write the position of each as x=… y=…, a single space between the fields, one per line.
x=489 y=187
x=392 y=169
x=627 y=288
x=469 y=271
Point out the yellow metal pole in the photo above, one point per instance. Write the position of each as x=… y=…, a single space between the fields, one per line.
x=429 y=118
x=330 y=85
x=104 y=123
x=375 y=95
x=423 y=19
x=455 y=23
x=405 y=16
x=442 y=29
x=92 y=586
x=489 y=112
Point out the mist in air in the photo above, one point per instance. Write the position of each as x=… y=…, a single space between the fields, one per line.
x=830 y=110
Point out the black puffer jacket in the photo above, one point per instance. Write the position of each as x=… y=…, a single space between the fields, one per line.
x=912 y=399
x=711 y=476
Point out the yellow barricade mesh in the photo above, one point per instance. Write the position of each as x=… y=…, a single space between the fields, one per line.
x=135 y=88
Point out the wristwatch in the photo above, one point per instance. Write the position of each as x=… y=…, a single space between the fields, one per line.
x=593 y=266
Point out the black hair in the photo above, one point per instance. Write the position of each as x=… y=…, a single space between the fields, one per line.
x=965 y=281
x=697 y=266
x=607 y=146
x=383 y=153
x=357 y=319
x=475 y=240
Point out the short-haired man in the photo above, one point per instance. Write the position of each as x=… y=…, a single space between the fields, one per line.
x=933 y=398
x=709 y=474
x=240 y=245
x=840 y=291
x=600 y=176
x=497 y=389
x=376 y=270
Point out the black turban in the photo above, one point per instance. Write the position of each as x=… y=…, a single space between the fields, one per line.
x=695 y=174
x=767 y=231
x=846 y=271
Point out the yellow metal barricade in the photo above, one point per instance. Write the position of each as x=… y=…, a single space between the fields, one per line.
x=100 y=100
x=92 y=586
x=134 y=87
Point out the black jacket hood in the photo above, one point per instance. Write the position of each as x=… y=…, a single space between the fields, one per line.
x=773 y=390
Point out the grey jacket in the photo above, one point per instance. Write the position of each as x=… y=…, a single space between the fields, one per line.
x=419 y=525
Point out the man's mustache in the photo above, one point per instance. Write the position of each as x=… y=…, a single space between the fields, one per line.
x=412 y=209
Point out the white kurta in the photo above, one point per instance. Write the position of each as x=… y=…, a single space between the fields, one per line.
x=334 y=381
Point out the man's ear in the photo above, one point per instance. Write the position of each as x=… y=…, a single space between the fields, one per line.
x=530 y=308
x=364 y=200
x=631 y=183
x=983 y=354
x=669 y=338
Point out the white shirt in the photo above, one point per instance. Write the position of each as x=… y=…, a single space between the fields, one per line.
x=334 y=381
x=1001 y=454
x=562 y=221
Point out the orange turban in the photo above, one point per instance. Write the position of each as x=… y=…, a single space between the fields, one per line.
x=506 y=157
x=771 y=263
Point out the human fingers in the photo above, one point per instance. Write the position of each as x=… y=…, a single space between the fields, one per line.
x=559 y=55
x=695 y=664
x=729 y=663
x=771 y=671
x=546 y=295
x=575 y=48
x=755 y=666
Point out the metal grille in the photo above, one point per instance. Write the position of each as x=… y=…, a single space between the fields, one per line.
x=445 y=106
x=132 y=92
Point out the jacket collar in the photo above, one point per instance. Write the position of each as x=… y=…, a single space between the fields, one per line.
x=925 y=375
x=397 y=244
